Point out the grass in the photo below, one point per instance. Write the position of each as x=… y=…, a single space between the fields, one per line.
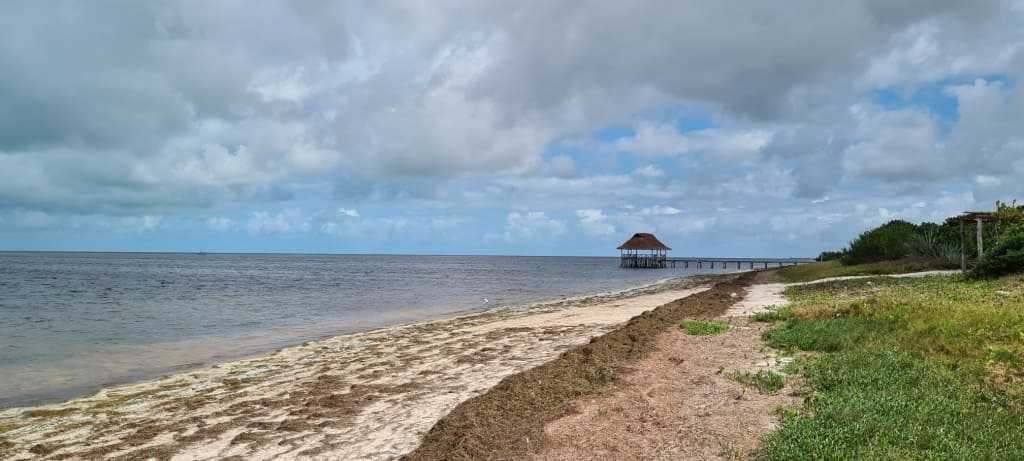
x=770 y=316
x=704 y=328
x=768 y=382
x=929 y=368
x=814 y=271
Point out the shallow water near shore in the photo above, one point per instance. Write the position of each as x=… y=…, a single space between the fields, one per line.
x=71 y=323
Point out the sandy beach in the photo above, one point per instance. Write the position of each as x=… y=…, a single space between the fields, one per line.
x=363 y=396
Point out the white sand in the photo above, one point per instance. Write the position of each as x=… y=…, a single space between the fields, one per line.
x=367 y=396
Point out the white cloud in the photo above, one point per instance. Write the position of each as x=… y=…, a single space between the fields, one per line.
x=718 y=145
x=562 y=166
x=289 y=220
x=140 y=223
x=649 y=172
x=937 y=48
x=409 y=107
x=660 y=210
x=594 y=222
x=900 y=145
x=220 y=224
x=532 y=225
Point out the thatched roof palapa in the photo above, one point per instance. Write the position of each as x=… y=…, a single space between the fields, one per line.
x=643 y=241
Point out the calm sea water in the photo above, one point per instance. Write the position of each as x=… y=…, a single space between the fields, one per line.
x=71 y=323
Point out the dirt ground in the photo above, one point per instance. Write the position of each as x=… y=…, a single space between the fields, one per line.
x=677 y=404
x=509 y=421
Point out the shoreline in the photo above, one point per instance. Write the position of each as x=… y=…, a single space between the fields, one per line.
x=255 y=348
x=370 y=394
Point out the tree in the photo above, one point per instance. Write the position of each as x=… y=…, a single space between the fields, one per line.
x=886 y=242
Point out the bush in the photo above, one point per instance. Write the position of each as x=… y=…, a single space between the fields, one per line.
x=830 y=256
x=929 y=243
x=884 y=243
x=1006 y=258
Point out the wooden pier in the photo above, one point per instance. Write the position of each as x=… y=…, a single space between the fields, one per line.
x=643 y=251
x=641 y=261
x=724 y=263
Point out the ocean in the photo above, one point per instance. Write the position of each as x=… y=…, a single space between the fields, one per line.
x=72 y=323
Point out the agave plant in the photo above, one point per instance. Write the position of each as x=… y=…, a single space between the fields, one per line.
x=929 y=244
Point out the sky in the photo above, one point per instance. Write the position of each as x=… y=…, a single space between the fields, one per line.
x=535 y=127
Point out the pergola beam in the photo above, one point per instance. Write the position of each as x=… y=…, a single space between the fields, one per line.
x=979 y=217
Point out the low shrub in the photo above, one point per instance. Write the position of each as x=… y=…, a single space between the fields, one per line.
x=830 y=256
x=1007 y=257
x=929 y=243
x=884 y=243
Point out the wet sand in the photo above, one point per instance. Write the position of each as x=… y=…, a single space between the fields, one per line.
x=363 y=396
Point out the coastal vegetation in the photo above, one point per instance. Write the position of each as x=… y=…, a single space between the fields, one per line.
x=1007 y=257
x=819 y=270
x=704 y=328
x=940 y=244
x=765 y=381
x=910 y=368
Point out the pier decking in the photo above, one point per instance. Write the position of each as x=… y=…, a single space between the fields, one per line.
x=750 y=263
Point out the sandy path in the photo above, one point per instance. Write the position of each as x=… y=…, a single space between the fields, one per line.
x=678 y=404
x=356 y=397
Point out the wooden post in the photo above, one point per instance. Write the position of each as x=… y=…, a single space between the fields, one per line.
x=981 y=244
x=963 y=248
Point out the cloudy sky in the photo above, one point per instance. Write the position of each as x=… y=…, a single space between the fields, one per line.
x=497 y=127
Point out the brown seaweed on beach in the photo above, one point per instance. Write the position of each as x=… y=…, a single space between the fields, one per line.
x=507 y=422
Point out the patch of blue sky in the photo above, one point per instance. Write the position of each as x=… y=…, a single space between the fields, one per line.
x=588 y=162
x=612 y=133
x=685 y=125
x=931 y=96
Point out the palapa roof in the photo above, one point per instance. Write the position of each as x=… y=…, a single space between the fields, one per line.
x=643 y=241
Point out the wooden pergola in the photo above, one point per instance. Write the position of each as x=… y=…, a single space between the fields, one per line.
x=979 y=217
x=643 y=250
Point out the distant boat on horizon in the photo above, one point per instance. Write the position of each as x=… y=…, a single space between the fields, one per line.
x=201 y=253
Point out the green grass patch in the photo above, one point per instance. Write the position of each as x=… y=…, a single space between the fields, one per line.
x=704 y=328
x=926 y=368
x=889 y=404
x=820 y=270
x=771 y=316
x=768 y=382
x=823 y=335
